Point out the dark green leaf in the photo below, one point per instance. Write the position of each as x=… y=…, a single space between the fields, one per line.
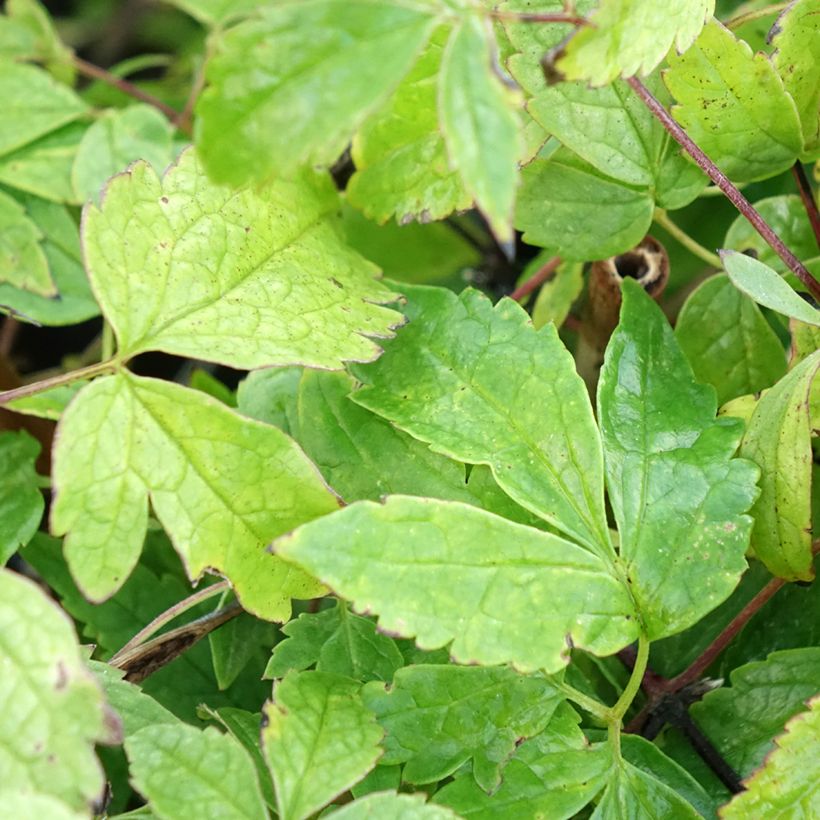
x=21 y=502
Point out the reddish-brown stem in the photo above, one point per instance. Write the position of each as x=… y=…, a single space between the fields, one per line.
x=97 y=73
x=543 y=273
x=530 y=17
x=724 y=183
x=807 y=195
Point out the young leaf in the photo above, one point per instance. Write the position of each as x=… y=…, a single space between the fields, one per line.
x=677 y=494
x=21 y=502
x=392 y=806
x=719 y=80
x=292 y=85
x=336 y=641
x=631 y=37
x=438 y=717
x=188 y=772
x=250 y=277
x=116 y=139
x=481 y=385
x=211 y=478
x=727 y=341
x=401 y=162
x=53 y=710
x=797 y=60
x=778 y=440
x=318 y=739
x=441 y=571
x=743 y=719
x=767 y=287
x=479 y=124
x=787 y=785
x=22 y=261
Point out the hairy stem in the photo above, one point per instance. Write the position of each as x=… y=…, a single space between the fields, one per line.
x=694 y=247
x=724 y=183
x=543 y=273
x=32 y=389
x=807 y=195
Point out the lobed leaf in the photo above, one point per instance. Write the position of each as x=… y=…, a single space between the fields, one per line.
x=21 y=502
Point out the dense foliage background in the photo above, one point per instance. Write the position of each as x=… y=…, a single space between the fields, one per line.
x=408 y=409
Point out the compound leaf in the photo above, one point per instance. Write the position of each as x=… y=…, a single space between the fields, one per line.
x=53 y=710
x=222 y=486
x=319 y=740
x=292 y=84
x=719 y=80
x=481 y=385
x=21 y=502
x=677 y=494
x=249 y=277
x=442 y=571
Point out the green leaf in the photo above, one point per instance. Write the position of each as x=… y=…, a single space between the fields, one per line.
x=719 y=80
x=557 y=294
x=767 y=287
x=213 y=12
x=553 y=775
x=631 y=37
x=566 y=205
x=441 y=571
x=319 y=740
x=727 y=341
x=797 y=60
x=336 y=641
x=778 y=440
x=479 y=123
x=438 y=717
x=401 y=161
x=24 y=804
x=33 y=104
x=787 y=785
x=250 y=277
x=209 y=474
x=22 y=261
x=270 y=395
x=742 y=720
x=236 y=644
x=50 y=403
x=677 y=494
x=293 y=84
x=187 y=772
x=116 y=139
x=53 y=710
x=447 y=380
x=34 y=37
x=392 y=806
x=21 y=502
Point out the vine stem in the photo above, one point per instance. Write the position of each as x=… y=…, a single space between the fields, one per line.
x=168 y=615
x=807 y=195
x=96 y=73
x=534 y=17
x=724 y=183
x=662 y=218
x=538 y=278
x=25 y=390
x=768 y=11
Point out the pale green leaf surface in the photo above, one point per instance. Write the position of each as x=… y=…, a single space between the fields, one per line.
x=743 y=719
x=392 y=806
x=319 y=740
x=118 y=138
x=250 y=277
x=677 y=494
x=33 y=104
x=797 y=60
x=767 y=287
x=788 y=785
x=26 y=805
x=438 y=717
x=401 y=162
x=441 y=571
x=53 y=710
x=778 y=440
x=733 y=105
x=336 y=641
x=566 y=205
x=222 y=485
x=213 y=12
x=293 y=84
x=50 y=403
x=22 y=261
x=631 y=37
x=557 y=295
x=187 y=772
x=727 y=341
x=446 y=379
x=479 y=123
x=21 y=502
